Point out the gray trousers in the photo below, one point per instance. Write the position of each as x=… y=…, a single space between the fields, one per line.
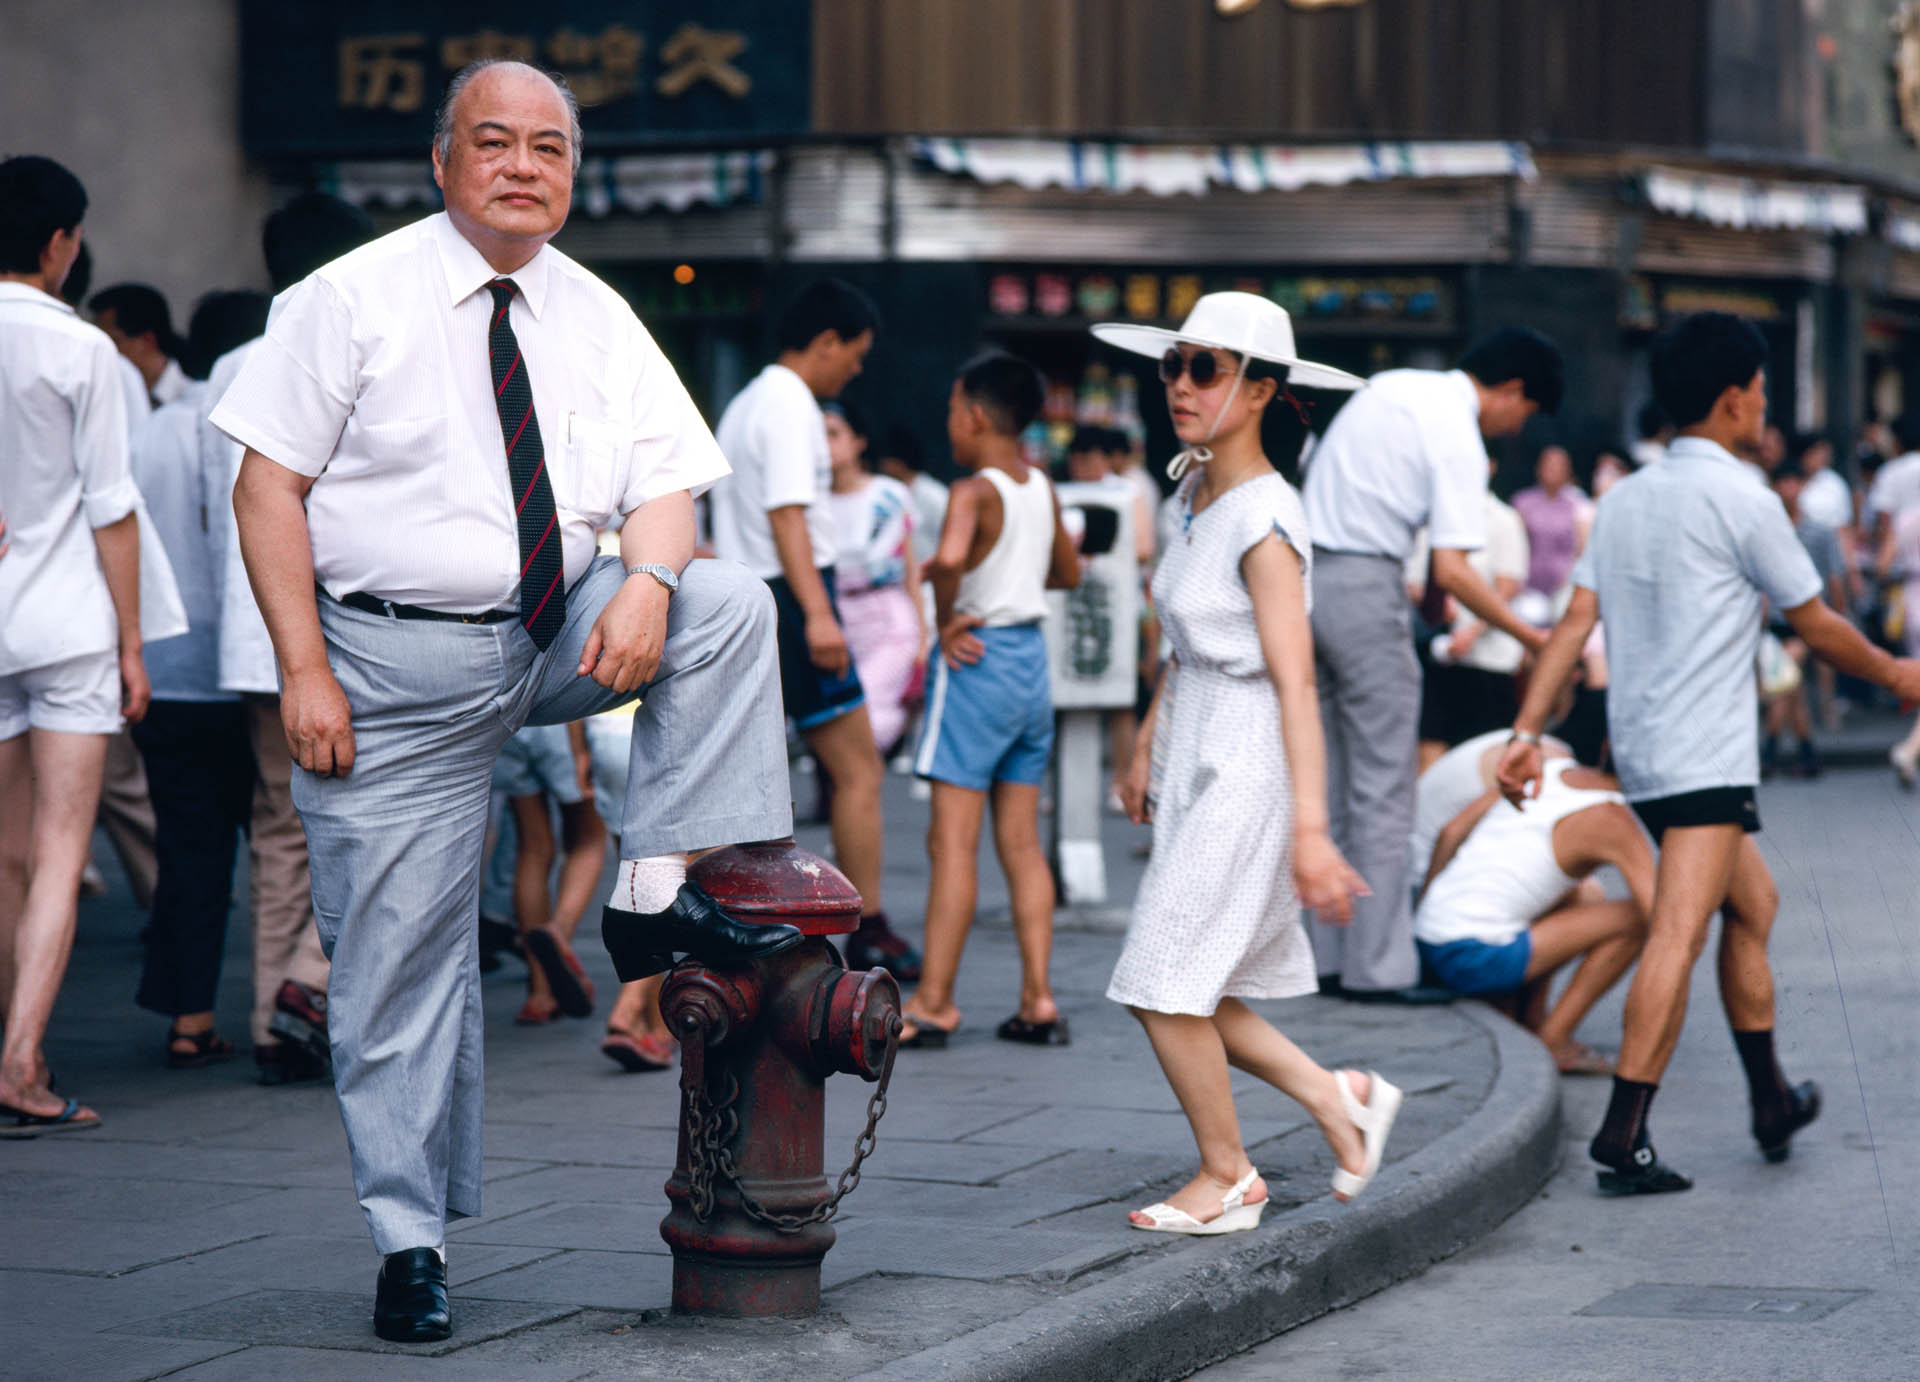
x=1370 y=706
x=395 y=845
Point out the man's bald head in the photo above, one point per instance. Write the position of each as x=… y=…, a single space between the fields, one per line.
x=488 y=70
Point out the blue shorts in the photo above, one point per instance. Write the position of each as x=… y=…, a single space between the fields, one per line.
x=813 y=697
x=1474 y=967
x=991 y=721
x=538 y=759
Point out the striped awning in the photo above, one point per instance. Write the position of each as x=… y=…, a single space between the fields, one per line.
x=1757 y=203
x=1195 y=169
x=639 y=182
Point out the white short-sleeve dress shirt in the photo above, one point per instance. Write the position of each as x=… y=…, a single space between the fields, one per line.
x=373 y=379
x=1896 y=486
x=1681 y=555
x=775 y=438
x=63 y=473
x=246 y=651
x=1404 y=452
x=182 y=502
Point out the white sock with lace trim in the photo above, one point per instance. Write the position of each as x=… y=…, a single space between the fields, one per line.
x=648 y=885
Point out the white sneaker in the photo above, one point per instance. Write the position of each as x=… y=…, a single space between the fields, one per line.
x=1906 y=764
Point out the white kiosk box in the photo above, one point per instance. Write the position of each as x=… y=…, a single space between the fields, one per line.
x=1093 y=645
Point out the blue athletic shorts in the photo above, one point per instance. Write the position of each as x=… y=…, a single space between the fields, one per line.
x=1475 y=967
x=991 y=721
x=813 y=697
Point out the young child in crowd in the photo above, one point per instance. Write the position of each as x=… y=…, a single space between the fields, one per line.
x=989 y=724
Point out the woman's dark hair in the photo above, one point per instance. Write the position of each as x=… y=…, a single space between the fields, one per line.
x=850 y=414
x=826 y=304
x=1519 y=352
x=1007 y=389
x=1700 y=359
x=37 y=198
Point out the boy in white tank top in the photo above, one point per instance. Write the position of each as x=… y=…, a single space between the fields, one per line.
x=988 y=732
x=1510 y=899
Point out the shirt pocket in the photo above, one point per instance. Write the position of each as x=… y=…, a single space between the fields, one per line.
x=592 y=476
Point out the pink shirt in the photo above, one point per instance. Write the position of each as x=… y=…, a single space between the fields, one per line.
x=1553 y=534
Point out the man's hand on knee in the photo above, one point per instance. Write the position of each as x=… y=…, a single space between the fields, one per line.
x=623 y=651
x=319 y=724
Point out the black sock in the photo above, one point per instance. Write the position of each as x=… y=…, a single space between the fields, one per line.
x=1766 y=1086
x=1625 y=1127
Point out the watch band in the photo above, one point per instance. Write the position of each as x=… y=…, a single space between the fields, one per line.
x=1520 y=736
x=660 y=571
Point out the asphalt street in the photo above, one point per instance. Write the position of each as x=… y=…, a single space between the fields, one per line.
x=1804 y=1270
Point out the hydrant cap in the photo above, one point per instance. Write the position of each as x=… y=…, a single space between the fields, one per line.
x=777 y=881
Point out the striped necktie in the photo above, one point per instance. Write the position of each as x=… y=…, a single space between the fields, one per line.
x=543 y=595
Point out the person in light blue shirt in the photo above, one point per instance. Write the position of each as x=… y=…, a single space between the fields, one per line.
x=1681 y=557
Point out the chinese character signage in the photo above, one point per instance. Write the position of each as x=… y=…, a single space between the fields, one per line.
x=357 y=78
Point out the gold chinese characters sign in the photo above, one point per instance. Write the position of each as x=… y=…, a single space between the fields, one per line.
x=389 y=71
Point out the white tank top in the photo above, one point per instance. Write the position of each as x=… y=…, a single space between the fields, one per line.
x=1505 y=875
x=1009 y=586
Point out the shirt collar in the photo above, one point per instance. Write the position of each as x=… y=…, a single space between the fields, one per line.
x=26 y=292
x=468 y=272
x=1463 y=382
x=1699 y=448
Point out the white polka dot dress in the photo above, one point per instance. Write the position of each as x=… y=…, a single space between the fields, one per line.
x=1217 y=914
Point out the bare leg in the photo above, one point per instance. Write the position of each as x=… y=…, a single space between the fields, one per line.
x=1194 y=1059
x=1696 y=865
x=846 y=752
x=953 y=849
x=16 y=848
x=1256 y=1046
x=583 y=843
x=1608 y=934
x=66 y=771
x=636 y=1011
x=1746 y=977
x=1016 y=838
x=532 y=868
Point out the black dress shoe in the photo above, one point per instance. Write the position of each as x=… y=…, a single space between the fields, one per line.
x=1644 y=1174
x=410 y=1298
x=1414 y=995
x=643 y=943
x=1775 y=1134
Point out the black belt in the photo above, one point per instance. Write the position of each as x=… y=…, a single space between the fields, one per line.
x=393 y=610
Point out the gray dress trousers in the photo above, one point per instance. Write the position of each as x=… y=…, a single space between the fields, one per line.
x=395 y=845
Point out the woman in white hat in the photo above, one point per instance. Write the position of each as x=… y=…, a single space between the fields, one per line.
x=1230 y=767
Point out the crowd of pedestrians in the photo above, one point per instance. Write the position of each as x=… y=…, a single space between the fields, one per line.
x=313 y=554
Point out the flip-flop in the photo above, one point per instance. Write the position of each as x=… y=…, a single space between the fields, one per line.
x=1018 y=1029
x=207 y=1047
x=926 y=1036
x=26 y=1124
x=531 y=1016
x=637 y=1054
x=1581 y=1059
x=566 y=977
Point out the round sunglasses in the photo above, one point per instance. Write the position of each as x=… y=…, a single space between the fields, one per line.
x=1204 y=367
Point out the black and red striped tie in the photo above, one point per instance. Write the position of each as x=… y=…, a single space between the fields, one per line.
x=543 y=594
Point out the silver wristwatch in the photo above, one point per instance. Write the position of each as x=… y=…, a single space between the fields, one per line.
x=659 y=571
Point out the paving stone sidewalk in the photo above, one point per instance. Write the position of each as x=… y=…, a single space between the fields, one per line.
x=209 y=1231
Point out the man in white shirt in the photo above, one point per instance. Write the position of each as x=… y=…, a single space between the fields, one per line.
x=435 y=426
x=70 y=639
x=1683 y=623
x=1405 y=452
x=1896 y=485
x=137 y=320
x=774 y=515
x=289 y=1023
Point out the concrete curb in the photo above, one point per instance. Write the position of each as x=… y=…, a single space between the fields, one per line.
x=1210 y=1300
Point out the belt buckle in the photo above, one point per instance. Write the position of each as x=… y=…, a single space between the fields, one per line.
x=473 y=618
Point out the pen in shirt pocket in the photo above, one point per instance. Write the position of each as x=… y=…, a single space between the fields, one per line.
x=569 y=427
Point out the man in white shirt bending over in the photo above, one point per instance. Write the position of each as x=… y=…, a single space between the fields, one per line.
x=775 y=516
x=1404 y=452
x=70 y=641
x=435 y=426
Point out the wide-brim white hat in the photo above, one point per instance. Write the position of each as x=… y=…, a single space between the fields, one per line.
x=1244 y=323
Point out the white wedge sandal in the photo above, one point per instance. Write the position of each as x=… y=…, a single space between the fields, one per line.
x=1236 y=1215
x=1375 y=1120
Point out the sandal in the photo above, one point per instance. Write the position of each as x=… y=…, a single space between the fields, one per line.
x=26 y=1124
x=1018 y=1029
x=925 y=1035
x=1577 y=1058
x=637 y=1054
x=532 y=1014
x=207 y=1047
x=1236 y=1215
x=1375 y=1120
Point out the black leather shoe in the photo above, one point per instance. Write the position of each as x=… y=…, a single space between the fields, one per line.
x=1775 y=1135
x=410 y=1298
x=643 y=943
x=1644 y=1174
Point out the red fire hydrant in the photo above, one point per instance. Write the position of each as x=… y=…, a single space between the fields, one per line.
x=751 y=1212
